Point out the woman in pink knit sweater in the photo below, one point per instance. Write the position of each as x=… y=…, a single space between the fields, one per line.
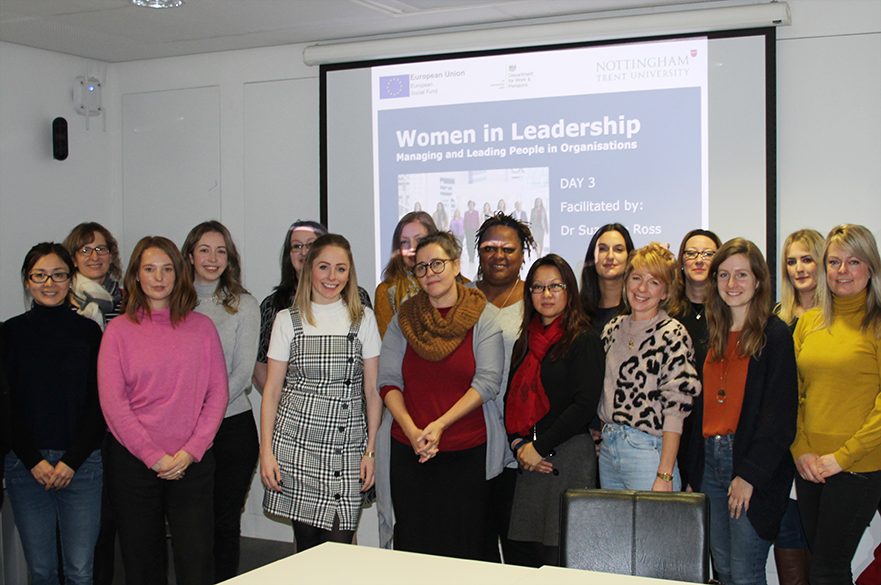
x=163 y=388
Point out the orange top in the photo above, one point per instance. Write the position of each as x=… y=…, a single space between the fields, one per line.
x=724 y=381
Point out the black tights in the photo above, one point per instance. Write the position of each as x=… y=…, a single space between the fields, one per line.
x=307 y=536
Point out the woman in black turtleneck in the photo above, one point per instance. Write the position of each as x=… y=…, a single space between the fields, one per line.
x=54 y=473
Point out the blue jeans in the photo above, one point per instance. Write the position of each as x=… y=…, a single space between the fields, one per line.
x=629 y=459
x=739 y=554
x=792 y=535
x=76 y=509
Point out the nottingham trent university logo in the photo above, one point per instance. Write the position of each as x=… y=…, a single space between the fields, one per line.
x=395 y=86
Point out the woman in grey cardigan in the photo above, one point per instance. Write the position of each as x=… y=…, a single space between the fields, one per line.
x=441 y=360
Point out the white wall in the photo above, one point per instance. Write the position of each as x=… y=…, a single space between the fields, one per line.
x=266 y=125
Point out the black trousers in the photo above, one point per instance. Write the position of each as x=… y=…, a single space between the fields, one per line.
x=834 y=515
x=441 y=505
x=236 y=449
x=141 y=505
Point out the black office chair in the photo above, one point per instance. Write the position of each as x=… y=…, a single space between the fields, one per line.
x=646 y=534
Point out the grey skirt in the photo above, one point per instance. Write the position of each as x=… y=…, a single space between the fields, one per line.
x=535 y=515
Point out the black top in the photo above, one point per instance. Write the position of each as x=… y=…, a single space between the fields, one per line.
x=603 y=316
x=573 y=385
x=765 y=431
x=51 y=359
x=695 y=322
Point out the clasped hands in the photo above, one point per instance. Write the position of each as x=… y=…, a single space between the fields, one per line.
x=57 y=477
x=172 y=468
x=812 y=467
x=426 y=442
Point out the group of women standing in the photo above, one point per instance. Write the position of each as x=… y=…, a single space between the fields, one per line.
x=490 y=389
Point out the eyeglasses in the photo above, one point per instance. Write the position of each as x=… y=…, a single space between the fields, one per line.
x=437 y=266
x=86 y=251
x=692 y=254
x=553 y=288
x=300 y=247
x=41 y=277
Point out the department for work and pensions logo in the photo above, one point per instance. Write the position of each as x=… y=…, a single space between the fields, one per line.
x=394 y=86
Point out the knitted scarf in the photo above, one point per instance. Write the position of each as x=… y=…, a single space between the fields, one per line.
x=434 y=337
x=527 y=401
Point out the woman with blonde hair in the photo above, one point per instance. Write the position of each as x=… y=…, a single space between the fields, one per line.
x=398 y=283
x=163 y=387
x=799 y=291
x=799 y=262
x=837 y=448
x=214 y=264
x=744 y=419
x=320 y=410
x=650 y=380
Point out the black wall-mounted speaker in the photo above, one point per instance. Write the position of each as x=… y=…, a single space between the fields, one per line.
x=59 y=138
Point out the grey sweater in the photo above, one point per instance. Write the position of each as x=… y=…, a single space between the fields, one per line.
x=238 y=335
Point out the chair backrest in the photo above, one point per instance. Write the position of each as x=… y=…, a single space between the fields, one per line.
x=647 y=534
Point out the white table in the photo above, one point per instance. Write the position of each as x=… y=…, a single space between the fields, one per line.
x=344 y=564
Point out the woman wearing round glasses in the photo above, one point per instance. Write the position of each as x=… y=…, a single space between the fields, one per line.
x=441 y=360
x=556 y=384
x=94 y=286
x=54 y=472
x=650 y=380
x=297 y=242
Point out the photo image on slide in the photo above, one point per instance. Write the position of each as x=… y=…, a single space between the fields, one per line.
x=522 y=193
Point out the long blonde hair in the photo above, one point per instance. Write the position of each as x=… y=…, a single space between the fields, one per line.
x=349 y=294
x=790 y=302
x=857 y=241
x=719 y=319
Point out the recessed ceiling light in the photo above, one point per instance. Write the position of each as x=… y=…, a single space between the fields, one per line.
x=158 y=3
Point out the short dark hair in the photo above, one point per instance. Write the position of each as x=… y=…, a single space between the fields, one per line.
x=501 y=219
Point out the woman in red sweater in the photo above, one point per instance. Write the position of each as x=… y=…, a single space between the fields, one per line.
x=441 y=361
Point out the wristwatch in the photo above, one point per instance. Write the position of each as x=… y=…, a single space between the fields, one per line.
x=665 y=476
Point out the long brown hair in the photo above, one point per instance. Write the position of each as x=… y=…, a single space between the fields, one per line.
x=575 y=320
x=84 y=234
x=183 y=296
x=349 y=294
x=679 y=303
x=719 y=320
x=229 y=286
x=396 y=269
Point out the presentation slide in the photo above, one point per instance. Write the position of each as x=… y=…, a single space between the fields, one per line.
x=566 y=140
x=663 y=136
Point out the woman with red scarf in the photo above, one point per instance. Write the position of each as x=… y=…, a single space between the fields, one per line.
x=556 y=383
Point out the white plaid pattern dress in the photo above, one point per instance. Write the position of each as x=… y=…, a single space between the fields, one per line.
x=320 y=430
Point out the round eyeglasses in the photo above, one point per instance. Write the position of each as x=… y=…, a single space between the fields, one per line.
x=437 y=266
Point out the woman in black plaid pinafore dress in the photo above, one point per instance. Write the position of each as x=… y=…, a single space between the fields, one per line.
x=320 y=431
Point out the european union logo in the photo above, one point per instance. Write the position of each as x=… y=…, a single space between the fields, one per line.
x=395 y=86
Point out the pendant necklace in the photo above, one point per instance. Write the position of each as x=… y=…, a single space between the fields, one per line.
x=723 y=373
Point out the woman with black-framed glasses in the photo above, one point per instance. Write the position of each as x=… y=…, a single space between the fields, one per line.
x=441 y=361
x=555 y=387
x=54 y=474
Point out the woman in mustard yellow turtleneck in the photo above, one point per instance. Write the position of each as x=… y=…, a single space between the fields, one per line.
x=838 y=445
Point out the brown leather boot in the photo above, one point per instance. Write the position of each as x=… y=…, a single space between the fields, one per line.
x=793 y=565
